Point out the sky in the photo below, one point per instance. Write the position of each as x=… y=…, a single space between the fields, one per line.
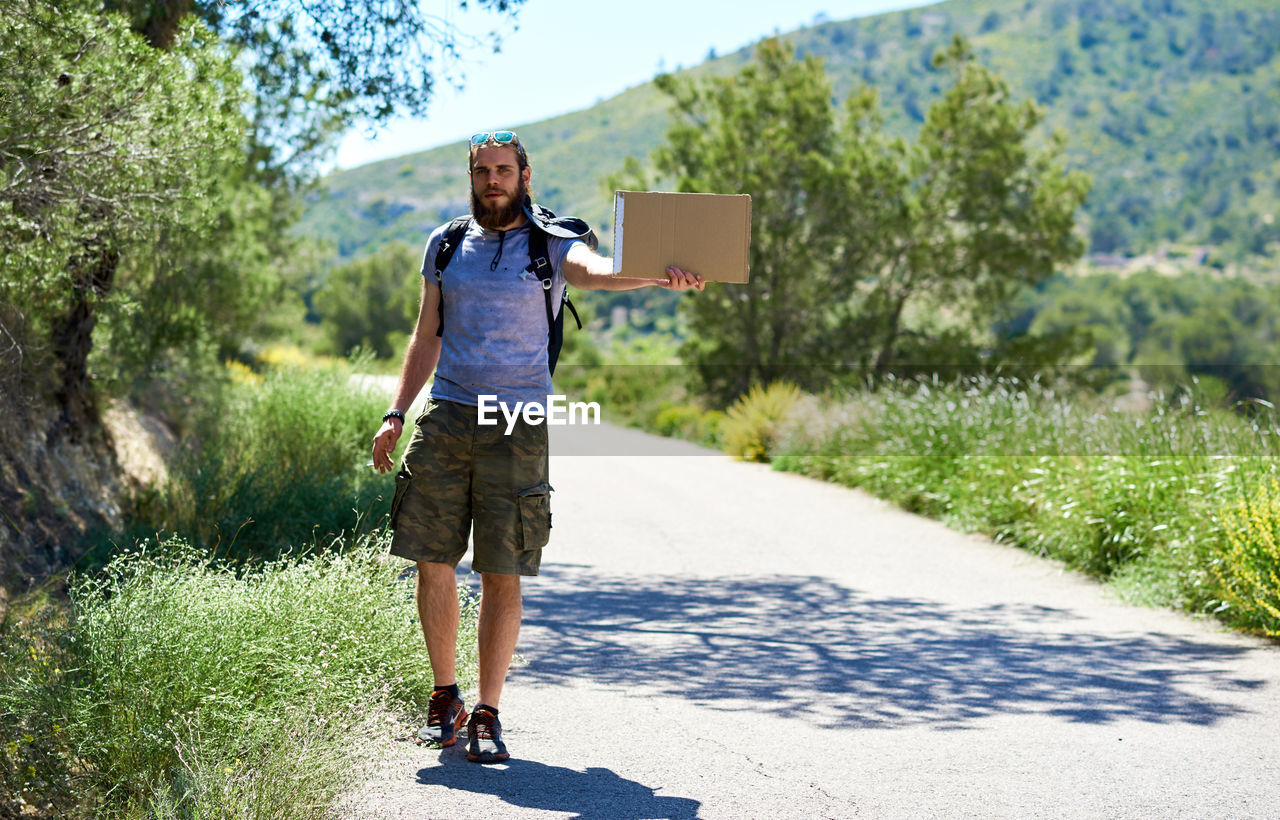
x=583 y=52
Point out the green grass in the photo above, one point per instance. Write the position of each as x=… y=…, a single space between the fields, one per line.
x=176 y=686
x=1134 y=499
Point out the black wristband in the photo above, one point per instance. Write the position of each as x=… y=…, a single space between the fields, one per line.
x=394 y=414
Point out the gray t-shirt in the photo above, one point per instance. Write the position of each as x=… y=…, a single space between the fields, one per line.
x=495 y=316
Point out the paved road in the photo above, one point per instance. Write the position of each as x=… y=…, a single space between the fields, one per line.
x=713 y=639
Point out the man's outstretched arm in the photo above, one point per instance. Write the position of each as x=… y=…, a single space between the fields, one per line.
x=585 y=269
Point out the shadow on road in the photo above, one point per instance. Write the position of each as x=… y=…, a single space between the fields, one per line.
x=806 y=647
x=596 y=794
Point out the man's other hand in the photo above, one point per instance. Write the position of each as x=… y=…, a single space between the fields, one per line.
x=384 y=444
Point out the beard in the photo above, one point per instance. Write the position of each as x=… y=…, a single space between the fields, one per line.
x=498 y=217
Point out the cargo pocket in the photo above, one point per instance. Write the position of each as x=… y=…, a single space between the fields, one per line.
x=534 y=505
x=402 y=486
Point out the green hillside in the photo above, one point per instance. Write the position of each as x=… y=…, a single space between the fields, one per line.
x=1172 y=105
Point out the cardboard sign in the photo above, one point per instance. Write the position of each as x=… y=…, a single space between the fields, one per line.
x=706 y=234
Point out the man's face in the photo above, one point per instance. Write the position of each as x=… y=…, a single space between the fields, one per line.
x=497 y=186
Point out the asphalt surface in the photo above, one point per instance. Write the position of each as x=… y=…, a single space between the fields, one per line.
x=713 y=639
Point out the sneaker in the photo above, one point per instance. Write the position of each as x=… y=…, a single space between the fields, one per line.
x=484 y=734
x=445 y=717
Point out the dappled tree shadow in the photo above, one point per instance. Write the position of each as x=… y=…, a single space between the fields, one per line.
x=594 y=794
x=809 y=648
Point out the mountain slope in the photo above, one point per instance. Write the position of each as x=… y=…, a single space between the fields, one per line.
x=1172 y=105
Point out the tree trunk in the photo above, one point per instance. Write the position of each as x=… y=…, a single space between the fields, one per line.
x=885 y=357
x=72 y=338
x=162 y=22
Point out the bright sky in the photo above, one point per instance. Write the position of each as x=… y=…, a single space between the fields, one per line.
x=567 y=55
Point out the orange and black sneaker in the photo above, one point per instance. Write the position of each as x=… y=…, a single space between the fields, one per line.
x=484 y=733
x=445 y=716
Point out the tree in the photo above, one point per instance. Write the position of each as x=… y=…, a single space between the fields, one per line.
x=1227 y=332
x=368 y=303
x=107 y=148
x=767 y=132
x=960 y=221
x=861 y=243
x=317 y=66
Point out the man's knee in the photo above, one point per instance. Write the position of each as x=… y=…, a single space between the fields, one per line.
x=434 y=569
x=499 y=583
x=436 y=579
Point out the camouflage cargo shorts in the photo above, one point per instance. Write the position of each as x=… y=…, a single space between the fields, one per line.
x=456 y=471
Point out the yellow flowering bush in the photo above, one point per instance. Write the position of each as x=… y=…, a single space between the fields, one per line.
x=752 y=426
x=1248 y=565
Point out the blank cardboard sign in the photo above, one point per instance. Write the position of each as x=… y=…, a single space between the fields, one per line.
x=706 y=234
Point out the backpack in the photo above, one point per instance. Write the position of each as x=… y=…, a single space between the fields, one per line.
x=542 y=223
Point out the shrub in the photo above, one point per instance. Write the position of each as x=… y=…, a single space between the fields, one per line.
x=1248 y=562
x=752 y=426
x=689 y=422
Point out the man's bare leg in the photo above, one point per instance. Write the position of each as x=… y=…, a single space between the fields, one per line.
x=500 y=612
x=438 y=612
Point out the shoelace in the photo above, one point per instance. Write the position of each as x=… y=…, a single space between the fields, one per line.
x=438 y=708
x=484 y=725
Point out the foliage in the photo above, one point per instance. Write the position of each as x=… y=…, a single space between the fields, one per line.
x=971 y=215
x=275 y=463
x=631 y=376
x=334 y=64
x=1179 y=137
x=690 y=422
x=114 y=156
x=753 y=424
x=1247 y=568
x=371 y=303
x=1169 y=330
x=1135 y=498
x=860 y=240
x=177 y=687
x=767 y=132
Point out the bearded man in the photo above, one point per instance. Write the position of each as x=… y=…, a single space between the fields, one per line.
x=489 y=340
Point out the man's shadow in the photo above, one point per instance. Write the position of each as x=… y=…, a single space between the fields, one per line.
x=596 y=794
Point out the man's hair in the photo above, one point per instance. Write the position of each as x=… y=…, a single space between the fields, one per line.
x=522 y=158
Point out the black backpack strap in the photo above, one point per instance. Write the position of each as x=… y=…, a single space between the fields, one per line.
x=449 y=243
x=540 y=264
x=572 y=309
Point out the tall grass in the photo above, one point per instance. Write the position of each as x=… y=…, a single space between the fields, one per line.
x=176 y=686
x=239 y=665
x=273 y=460
x=1136 y=499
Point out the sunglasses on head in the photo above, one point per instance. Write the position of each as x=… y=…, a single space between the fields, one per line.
x=500 y=137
